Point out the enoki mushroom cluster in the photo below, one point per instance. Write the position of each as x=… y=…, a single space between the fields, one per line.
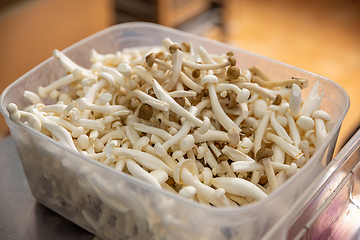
x=186 y=121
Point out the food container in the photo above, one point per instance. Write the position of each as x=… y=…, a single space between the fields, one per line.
x=330 y=207
x=114 y=205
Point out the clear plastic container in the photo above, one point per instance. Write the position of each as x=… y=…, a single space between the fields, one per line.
x=330 y=207
x=114 y=205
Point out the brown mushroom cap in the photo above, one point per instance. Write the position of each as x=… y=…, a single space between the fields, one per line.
x=246 y=131
x=233 y=73
x=195 y=73
x=222 y=157
x=174 y=47
x=204 y=92
x=145 y=112
x=160 y=56
x=232 y=61
x=186 y=46
x=180 y=101
x=150 y=59
x=277 y=100
x=230 y=54
x=233 y=102
x=263 y=153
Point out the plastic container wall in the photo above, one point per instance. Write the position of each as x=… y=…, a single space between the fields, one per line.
x=330 y=208
x=114 y=205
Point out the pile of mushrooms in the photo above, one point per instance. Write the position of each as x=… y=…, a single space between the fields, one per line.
x=186 y=121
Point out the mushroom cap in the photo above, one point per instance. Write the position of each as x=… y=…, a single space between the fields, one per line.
x=150 y=59
x=263 y=153
x=259 y=108
x=108 y=77
x=188 y=191
x=243 y=95
x=209 y=79
x=305 y=123
x=125 y=70
x=189 y=164
x=12 y=108
x=95 y=67
x=81 y=104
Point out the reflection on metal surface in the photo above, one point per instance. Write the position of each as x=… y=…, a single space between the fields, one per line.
x=22 y=217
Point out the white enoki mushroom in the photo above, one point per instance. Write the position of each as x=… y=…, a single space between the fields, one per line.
x=185 y=126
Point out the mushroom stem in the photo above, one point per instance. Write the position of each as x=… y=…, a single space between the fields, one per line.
x=140 y=173
x=256 y=71
x=279 y=154
x=67 y=63
x=263 y=155
x=259 y=134
x=117 y=77
x=147 y=160
x=76 y=131
x=145 y=98
x=239 y=187
x=66 y=80
x=174 y=106
x=242 y=94
x=60 y=133
x=203 y=190
x=33 y=98
x=182 y=93
x=278 y=128
x=209 y=157
x=290 y=149
x=204 y=55
x=244 y=114
x=301 y=82
x=313 y=100
x=144 y=74
x=294 y=131
x=295 y=101
x=269 y=170
x=83 y=105
x=183 y=77
x=320 y=132
x=152 y=130
x=104 y=79
x=236 y=155
x=88 y=124
x=193 y=65
x=211 y=135
x=184 y=130
x=221 y=116
x=176 y=69
x=256 y=88
x=247 y=166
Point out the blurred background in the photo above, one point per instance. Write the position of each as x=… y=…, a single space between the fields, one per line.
x=321 y=36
